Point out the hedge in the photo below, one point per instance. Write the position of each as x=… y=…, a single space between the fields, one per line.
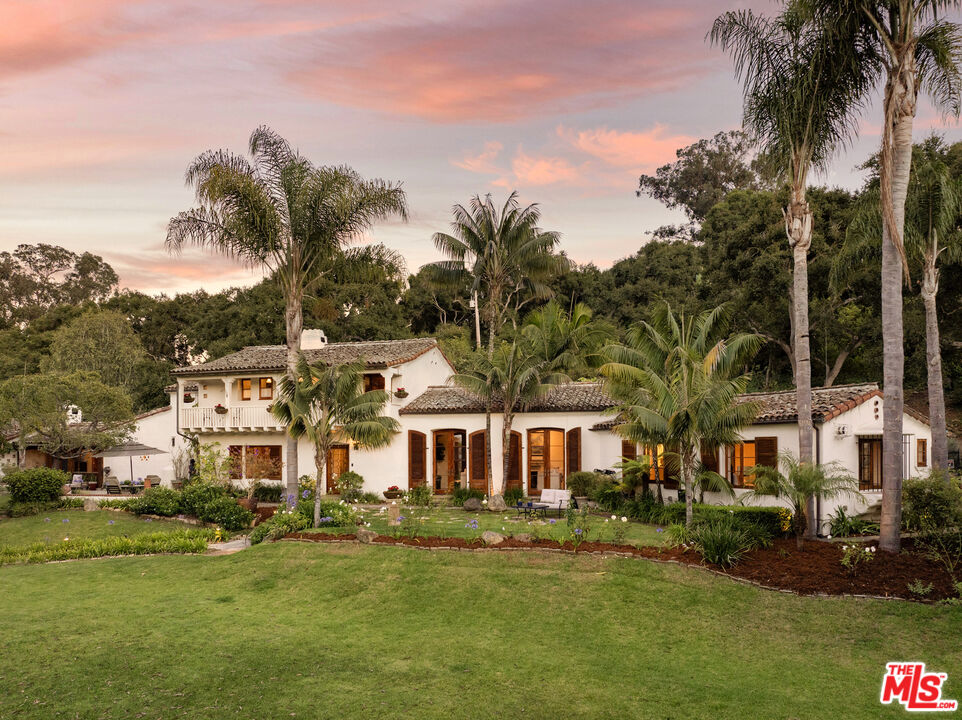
x=772 y=520
x=36 y=484
x=180 y=542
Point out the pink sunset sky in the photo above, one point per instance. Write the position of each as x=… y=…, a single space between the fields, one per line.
x=104 y=102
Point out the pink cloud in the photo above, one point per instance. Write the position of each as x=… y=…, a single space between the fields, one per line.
x=634 y=150
x=542 y=170
x=482 y=162
x=512 y=60
x=157 y=271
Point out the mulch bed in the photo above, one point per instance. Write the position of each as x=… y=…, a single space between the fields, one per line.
x=813 y=570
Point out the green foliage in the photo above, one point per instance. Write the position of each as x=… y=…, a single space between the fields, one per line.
x=349 y=483
x=721 y=542
x=854 y=556
x=196 y=495
x=269 y=493
x=933 y=502
x=35 y=485
x=678 y=535
x=284 y=521
x=920 y=589
x=584 y=483
x=334 y=513
x=419 y=496
x=843 y=525
x=156 y=501
x=462 y=493
x=214 y=467
x=512 y=496
x=177 y=542
x=225 y=511
x=24 y=509
x=370 y=498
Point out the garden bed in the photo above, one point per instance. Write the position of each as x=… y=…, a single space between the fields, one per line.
x=814 y=570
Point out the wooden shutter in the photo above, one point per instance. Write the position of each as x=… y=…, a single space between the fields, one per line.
x=573 y=450
x=514 y=461
x=922 y=453
x=417 y=448
x=766 y=451
x=709 y=458
x=629 y=450
x=478 y=472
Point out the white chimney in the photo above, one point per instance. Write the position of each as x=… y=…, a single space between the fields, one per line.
x=313 y=339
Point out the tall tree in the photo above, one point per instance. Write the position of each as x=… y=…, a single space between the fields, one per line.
x=918 y=50
x=278 y=211
x=328 y=405
x=932 y=236
x=677 y=378
x=800 y=90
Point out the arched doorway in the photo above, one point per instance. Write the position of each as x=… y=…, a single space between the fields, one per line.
x=546 y=460
x=450 y=461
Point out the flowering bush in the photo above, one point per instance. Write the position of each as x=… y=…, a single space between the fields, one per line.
x=420 y=496
x=854 y=556
x=284 y=521
x=334 y=513
x=225 y=511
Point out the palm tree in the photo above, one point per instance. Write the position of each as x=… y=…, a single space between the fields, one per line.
x=570 y=341
x=932 y=212
x=504 y=252
x=799 y=94
x=918 y=50
x=328 y=406
x=798 y=483
x=279 y=212
x=678 y=378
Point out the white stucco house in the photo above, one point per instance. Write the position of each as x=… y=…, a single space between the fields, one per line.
x=442 y=438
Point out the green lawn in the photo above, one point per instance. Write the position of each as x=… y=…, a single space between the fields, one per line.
x=55 y=525
x=455 y=522
x=310 y=630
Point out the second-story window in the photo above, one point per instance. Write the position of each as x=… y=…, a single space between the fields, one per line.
x=373 y=381
x=245 y=386
x=266 y=388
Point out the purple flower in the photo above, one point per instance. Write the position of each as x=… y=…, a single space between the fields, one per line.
x=400 y=517
x=659 y=530
x=66 y=520
x=110 y=522
x=290 y=499
x=306 y=494
x=552 y=521
x=577 y=531
x=46 y=519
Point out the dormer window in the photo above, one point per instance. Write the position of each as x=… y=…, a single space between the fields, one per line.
x=373 y=381
x=266 y=388
x=245 y=389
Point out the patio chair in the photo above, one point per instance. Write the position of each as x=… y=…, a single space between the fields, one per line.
x=112 y=486
x=555 y=499
x=77 y=482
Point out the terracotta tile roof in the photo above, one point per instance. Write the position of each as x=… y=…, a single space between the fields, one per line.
x=376 y=354
x=570 y=397
x=188 y=387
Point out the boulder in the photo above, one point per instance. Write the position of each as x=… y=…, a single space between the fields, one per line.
x=472 y=504
x=496 y=504
x=91 y=504
x=523 y=537
x=366 y=536
x=489 y=537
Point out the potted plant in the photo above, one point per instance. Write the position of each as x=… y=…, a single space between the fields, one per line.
x=393 y=492
x=400 y=393
x=220 y=409
x=188 y=398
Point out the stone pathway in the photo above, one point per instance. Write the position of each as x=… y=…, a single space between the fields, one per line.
x=228 y=548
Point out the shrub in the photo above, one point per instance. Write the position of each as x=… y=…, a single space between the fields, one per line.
x=269 y=493
x=179 y=541
x=931 y=502
x=461 y=494
x=370 y=498
x=512 y=496
x=721 y=542
x=609 y=497
x=195 y=496
x=349 y=483
x=677 y=535
x=420 y=495
x=583 y=483
x=769 y=519
x=841 y=524
x=121 y=504
x=334 y=513
x=283 y=522
x=225 y=511
x=36 y=484
x=156 y=501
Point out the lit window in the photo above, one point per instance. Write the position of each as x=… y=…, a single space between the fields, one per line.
x=245 y=386
x=266 y=388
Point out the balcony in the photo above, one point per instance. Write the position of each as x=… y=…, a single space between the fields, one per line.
x=205 y=419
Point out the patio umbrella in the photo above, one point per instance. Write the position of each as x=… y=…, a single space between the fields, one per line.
x=129 y=450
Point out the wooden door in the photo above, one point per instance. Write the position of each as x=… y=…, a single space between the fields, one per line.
x=514 y=462
x=417 y=462
x=338 y=461
x=478 y=470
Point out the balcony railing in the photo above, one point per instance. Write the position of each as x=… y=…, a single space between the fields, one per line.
x=246 y=418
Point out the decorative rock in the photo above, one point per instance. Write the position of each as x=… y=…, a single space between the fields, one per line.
x=394 y=515
x=91 y=504
x=496 y=504
x=472 y=504
x=366 y=536
x=523 y=537
x=492 y=538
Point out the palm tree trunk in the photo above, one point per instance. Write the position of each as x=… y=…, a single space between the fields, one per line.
x=687 y=474
x=933 y=364
x=506 y=451
x=895 y=164
x=489 y=480
x=294 y=322
x=653 y=450
x=477 y=320
x=320 y=461
x=798 y=225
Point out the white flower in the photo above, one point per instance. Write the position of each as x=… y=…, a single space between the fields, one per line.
x=614 y=517
x=606 y=520
x=872 y=549
x=484 y=502
x=829 y=537
x=624 y=519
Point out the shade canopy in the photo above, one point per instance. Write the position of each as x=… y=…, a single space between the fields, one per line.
x=130 y=449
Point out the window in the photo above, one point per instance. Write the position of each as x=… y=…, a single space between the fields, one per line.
x=922 y=452
x=236 y=454
x=266 y=389
x=740 y=458
x=546 y=459
x=373 y=381
x=245 y=387
x=869 y=463
x=262 y=462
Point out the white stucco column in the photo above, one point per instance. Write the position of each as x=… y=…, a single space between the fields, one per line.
x=228 y=389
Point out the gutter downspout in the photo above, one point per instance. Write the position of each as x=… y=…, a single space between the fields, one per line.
x=818 y=461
